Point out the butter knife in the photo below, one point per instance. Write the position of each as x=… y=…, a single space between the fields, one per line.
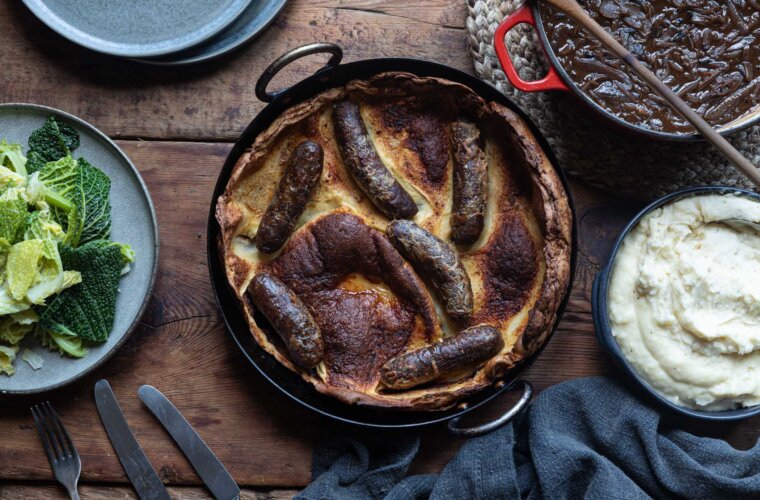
x=209 y=468
x=141 y=473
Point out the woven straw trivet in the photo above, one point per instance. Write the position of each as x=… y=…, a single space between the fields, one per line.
x=588 y=147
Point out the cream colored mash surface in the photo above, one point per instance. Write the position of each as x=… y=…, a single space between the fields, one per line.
x=684 y=301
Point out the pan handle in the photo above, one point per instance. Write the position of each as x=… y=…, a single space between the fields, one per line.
x=552 y=80
x=289 y=57
x=480 y=430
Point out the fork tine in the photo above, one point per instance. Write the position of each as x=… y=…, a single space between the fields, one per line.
x=54 y=430
x=50 y=428
x=44 y=437
x=48 y=425
x=63 y=434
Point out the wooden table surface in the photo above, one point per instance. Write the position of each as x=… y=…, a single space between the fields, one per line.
x=177 y=125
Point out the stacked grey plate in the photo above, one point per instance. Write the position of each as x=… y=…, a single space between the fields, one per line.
x=162 y=32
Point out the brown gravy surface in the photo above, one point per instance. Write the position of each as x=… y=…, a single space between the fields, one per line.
x=707 y=51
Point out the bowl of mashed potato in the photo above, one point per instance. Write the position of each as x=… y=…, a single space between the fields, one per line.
x=678 y=303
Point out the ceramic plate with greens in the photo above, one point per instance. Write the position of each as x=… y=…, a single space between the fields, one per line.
x=78 y=248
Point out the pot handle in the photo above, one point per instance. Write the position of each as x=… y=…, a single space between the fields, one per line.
x=503 y=420
x=552 y=80
x=289 y=57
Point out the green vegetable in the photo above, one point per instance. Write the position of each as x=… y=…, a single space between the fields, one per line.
x=92 y=203
x=9 y=305
x=33 y=359
x=79 y=196
x=87 y=310
x=56 y=184
x=23 y=267
x=59 y=274
x=10 y=178
x=11 y=157
x=65 y=344
x=51 y=278
x=32 y=269
x=14 y=327
x=34 y=162
x=13 y=215
x=54 y=140
x=7 y=355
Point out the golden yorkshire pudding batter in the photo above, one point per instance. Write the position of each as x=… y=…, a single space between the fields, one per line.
x=383 y=148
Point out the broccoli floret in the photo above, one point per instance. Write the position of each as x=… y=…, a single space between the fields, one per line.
x=87 y=310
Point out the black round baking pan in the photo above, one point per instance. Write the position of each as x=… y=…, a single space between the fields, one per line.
x=558 y=78
x=332 y=75
x=602 y=323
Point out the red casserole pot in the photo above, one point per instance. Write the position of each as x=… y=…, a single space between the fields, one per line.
x=558 y=79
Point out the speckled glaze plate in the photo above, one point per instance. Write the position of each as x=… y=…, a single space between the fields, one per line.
x=137 y=28
x=133 y=222
x=255 y=19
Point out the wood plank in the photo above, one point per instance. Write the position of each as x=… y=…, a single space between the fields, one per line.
x=26 y=491
x=182 y=348
x=215 y=101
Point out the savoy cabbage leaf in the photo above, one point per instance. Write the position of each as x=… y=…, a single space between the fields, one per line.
x=78 y=194
x=7 y=356
x=63 y=343
x=87 y=310
x=53 y=141
x=92 y=203
x=13 y=215
x=12 y=158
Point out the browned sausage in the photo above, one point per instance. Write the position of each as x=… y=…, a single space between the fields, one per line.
x=366 y=167
x=470 y=183
x=289 y=317
x=296 y=187
x=438 y=263
x=466 y=349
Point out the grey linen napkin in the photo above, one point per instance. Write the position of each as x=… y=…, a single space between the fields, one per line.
x=586 y=438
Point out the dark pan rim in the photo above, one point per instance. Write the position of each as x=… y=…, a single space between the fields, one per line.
x=364 y=416
x=601 y=317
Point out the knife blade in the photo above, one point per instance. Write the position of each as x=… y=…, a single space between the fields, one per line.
x=209 y=468
x=139 y=470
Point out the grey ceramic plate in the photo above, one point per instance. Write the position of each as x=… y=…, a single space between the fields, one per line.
x=256 y=18
x=134 y=222
x=137 y=28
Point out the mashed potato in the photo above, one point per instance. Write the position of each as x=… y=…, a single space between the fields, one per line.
x=684 y=301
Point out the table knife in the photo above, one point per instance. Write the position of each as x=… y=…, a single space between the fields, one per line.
x=203 y=460
x=141 y=473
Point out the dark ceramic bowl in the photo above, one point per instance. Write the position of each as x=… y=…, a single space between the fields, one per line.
x=602 y=323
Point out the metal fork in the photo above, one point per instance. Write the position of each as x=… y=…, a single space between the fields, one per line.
x=63 y=456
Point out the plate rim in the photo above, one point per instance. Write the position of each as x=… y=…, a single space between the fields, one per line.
x=154 y=268
x=204 y=58
x=40 y=9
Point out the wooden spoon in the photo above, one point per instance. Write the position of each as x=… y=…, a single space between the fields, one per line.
x=574 y=10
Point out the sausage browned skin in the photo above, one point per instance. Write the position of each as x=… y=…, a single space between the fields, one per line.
x=289 y=317
x=438 y=263
x=470 y=183
x=366 y=167
x=296 y=187
x=468 y=348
